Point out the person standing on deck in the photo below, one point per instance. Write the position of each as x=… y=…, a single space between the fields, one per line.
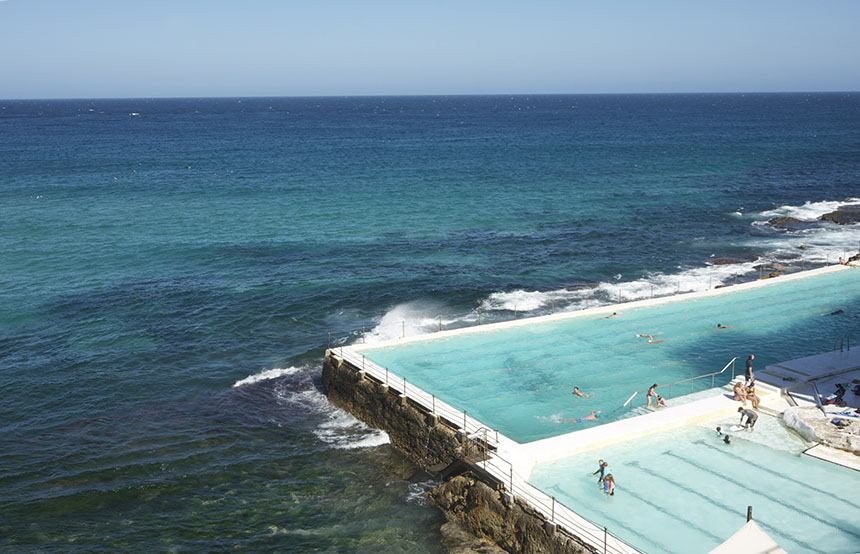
x=749 y=372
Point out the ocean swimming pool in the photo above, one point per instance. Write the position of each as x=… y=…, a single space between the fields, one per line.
x=519 y=379
x=685 y=491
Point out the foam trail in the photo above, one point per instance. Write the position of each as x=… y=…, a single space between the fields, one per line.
x=264 y=375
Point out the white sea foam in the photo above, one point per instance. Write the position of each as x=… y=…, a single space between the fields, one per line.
x=266 y=374
x=339 y=429
x=409 y=319
x=345 y=432
x=809 y=210
x=417 y=492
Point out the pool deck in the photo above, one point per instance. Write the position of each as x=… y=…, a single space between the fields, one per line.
x=825 y=370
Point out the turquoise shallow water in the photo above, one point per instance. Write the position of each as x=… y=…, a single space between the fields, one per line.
x=519 y=380
x=686 y=491
x=169 y=281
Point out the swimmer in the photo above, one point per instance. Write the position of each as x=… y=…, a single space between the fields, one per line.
x=650 y=338
x=719 y=431
x=609 y=483
x=721 y=326
x=837 y=312
x=601 y=468
x=581 y=394
x=593 y=416
x=614 y=314
x=728 y=439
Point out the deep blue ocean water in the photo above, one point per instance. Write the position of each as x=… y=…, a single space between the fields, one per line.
x=171 y=271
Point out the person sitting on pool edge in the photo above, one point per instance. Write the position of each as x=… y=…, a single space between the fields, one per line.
x=751 y=395
x=581 y=394
x=751 y=418
x=593 y=416
x=661 y=402
x=740 y=393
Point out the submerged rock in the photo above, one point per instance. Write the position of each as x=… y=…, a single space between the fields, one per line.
x=787 y=223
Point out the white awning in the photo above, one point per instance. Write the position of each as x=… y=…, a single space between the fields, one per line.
x=750 y=539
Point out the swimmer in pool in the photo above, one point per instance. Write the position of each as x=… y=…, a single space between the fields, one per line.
x=728 y=439
x=650 y=338
x=593 y=416
x=836 y=312
x=581 y=394
x=613 y=314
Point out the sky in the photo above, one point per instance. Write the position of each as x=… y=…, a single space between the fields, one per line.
x=197 y=48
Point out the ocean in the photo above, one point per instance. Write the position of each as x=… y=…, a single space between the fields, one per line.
x=172 y=271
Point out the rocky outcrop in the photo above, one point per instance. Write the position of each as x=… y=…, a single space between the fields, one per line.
x=513 y=526
x=814 y=426
x=787 y=223
x=844 y=215
x=411 y=429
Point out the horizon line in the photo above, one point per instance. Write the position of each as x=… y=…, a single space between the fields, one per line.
x=423 y=95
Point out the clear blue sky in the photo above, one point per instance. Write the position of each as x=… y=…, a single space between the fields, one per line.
x=118 y=48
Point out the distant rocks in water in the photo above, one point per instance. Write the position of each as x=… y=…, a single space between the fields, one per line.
x=785 y=222
x=733 y=259
x=791 y=223
x=843 y=215
x=580 y=285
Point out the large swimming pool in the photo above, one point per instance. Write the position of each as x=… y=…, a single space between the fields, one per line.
x=519 y=379
x=685 y=491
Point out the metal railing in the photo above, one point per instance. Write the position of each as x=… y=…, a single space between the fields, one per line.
x=843 y=340
x=691 y=380
x=571 y=523
x=458 y=419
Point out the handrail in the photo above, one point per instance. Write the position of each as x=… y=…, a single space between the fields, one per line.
x=433 y=405
x=553 y=511
x=786 y=392
x=691 y=379
x=842 y=340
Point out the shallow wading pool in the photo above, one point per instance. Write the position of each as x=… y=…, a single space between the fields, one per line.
x=685 y=491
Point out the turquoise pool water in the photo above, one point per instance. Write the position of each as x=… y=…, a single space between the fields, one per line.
x=519 y=380
x=686 y=491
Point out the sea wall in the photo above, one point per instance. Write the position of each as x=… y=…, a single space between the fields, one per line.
x=468 y=498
